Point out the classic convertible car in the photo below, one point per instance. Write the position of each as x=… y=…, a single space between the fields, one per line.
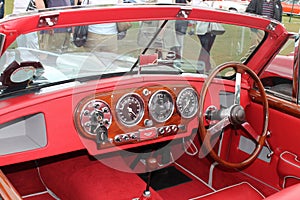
x=140 y=115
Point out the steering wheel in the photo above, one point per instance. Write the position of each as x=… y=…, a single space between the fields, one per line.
x=234 y=115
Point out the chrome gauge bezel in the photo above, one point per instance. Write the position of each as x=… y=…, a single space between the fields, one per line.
x=152 y=105
x=138 y=111
x=182 y=106
x=89 y=116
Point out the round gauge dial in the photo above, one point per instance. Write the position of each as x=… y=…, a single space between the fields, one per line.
x=95 y=113
x=130 y=109
x=161 y=106
x=187 y=102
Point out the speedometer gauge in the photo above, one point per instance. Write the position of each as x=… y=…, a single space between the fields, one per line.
x=161 y=106
x=187 y=102
x=130 y=109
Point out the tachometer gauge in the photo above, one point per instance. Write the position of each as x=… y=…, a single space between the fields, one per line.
x=187 y=102
x=130 y=109
x=161 y=106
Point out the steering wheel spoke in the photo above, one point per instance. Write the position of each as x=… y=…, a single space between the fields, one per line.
x=237 y=93
x=251 y=131
x=219 y=126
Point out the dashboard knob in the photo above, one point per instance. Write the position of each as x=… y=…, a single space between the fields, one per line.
x=174 y=128
x=118 y=138
x=133 y=136
x=148 y=122
x=146 y=92
x=168 y=129
x=125 y=137
x=161 y=130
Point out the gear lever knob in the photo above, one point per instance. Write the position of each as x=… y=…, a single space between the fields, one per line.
x=151 y=164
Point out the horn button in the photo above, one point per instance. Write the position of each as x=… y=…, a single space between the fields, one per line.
x=237 y=115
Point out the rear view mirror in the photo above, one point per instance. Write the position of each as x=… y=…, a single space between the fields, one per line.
x=18 y=76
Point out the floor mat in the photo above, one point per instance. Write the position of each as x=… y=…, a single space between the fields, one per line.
x=165 y=178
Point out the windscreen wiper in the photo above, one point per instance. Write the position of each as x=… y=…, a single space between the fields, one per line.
x=150 y=43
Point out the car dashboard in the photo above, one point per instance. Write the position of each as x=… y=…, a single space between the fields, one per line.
x=119 y=113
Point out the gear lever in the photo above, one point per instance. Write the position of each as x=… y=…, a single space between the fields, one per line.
x=151 y=164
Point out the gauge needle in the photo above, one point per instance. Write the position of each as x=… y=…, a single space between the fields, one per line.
x=131 y=111
x=186 y=105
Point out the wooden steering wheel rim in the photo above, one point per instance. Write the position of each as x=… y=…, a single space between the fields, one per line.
x=239 y=67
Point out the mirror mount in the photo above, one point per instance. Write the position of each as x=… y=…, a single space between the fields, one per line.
x=19 y=75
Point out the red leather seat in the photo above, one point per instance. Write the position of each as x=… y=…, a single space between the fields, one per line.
x=240 y=191
x=244 y=191
x=289 y=193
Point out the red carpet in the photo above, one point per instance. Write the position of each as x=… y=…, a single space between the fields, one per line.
x=25 y=178
x=76 y=176
x=81 y=178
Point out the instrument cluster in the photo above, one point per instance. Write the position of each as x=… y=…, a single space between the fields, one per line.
x=123 y=117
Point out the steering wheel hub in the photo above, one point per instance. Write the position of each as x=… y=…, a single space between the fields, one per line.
x=237 y=115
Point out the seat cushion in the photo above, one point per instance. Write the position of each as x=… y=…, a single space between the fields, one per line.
x=240 y=191
x=289 y=193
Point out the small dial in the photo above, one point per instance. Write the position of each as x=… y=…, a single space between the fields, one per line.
x=187 y=102
x=95 y=114
x=130 y=109
x=161 y=106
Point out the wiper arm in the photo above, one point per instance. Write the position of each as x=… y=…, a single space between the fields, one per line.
x=34 y=87
x=150 y=43
x=9 y=92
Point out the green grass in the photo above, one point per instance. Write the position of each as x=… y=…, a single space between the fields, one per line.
x=292 y=24
x=9 y=4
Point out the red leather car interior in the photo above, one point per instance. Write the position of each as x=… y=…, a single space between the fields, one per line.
x=290 y=193
x=245 y=191
x=236 y=192
x=83 y=178
x=288 y=167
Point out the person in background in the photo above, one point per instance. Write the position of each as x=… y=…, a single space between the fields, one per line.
x=20 y=6
x=29 y=40
x=2 y=6
x=41 y=4
x=268 y=8
x=102 y=37
x=181 y=28
x=206 y=39
x=56 y=40
x=165 y=43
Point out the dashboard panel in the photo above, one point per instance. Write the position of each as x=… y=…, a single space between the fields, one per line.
x=64 y=119
x=124 y=116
